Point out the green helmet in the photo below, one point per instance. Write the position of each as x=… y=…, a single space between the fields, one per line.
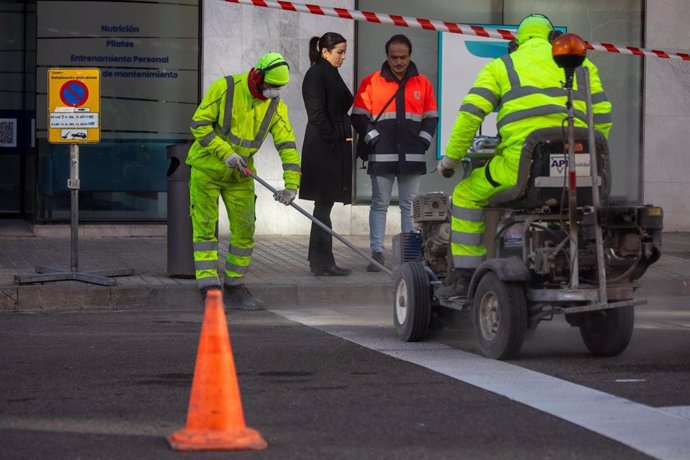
x=534 y=25
x=274 y=68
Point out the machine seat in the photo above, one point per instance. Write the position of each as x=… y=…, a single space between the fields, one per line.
x=541 y=172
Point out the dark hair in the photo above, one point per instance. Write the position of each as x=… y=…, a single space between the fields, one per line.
x=329 y=40
x=403 y=40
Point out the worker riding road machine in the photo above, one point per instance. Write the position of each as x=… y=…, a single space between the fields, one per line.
x=559 y=247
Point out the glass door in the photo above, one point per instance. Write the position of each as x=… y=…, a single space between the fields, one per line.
x=17 y=96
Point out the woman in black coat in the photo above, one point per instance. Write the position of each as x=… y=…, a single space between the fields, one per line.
x=327 y=149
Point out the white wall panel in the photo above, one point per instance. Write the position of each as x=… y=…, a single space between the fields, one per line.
x=667 y=113
x=234 y=38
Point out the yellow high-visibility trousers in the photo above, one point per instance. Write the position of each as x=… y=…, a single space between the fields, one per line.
x=470 y=197
x=239 y=200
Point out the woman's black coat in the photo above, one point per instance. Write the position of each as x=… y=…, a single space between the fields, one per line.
x=326 y=154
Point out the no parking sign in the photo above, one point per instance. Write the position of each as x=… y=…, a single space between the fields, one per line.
x=74 y=106
x=74 y=93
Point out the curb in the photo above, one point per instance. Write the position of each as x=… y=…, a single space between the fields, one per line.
x=75 y=297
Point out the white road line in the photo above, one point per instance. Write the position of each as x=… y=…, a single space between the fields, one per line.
x=680 y=411
x=652 y=431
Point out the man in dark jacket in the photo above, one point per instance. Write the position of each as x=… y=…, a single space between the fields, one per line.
x=405 y=101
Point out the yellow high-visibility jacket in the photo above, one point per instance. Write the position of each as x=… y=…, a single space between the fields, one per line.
x=229 y=119
x=525 y=87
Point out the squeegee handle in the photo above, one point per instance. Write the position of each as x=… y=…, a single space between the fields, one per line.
x=249 y=173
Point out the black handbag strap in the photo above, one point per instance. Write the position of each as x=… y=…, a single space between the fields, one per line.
x=402 y=84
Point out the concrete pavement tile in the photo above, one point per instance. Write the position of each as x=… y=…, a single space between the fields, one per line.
x=187 y=296
x=275 y=294
x=8 y=299
x=130 y=296
x=6 y=279
x=73 y=296
x=345 y=295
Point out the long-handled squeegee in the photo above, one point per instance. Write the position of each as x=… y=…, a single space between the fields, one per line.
x=249 y=173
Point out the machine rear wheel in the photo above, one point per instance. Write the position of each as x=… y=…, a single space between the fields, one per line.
x=609 y=332
x=412 y=302
x=499 y=313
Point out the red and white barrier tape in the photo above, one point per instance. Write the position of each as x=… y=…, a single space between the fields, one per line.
x=441 y=26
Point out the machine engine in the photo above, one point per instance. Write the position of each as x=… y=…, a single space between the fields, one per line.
x=430 y=213
x=631 y=240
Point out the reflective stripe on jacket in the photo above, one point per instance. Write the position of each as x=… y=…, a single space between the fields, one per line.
x=406 y=127
x=525 y=87
x=229 y=119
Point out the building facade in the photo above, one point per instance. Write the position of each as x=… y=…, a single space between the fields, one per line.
x=157 y=58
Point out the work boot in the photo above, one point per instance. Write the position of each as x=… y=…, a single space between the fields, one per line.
x=238 y=297
x=456 y=284
x=378 y=257
x=332 y=270
x=204 y=291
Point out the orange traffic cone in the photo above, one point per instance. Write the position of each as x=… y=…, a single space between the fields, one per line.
x=215 y=420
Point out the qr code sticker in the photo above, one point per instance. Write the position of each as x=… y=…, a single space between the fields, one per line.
x=8 y=132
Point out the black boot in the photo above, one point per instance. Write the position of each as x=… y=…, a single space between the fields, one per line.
x=378 y=257
x=456 y=284
x=331 y=270
x=238 y=297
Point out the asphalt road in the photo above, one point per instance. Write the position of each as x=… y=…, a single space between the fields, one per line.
x=654 y=369
x=112 y=384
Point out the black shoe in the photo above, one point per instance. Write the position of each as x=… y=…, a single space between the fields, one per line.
x=333 y=270
x=238 y=297
x=204 y=291
x=378 y=257
x=456 y=284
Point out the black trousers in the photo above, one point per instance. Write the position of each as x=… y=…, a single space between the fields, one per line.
x=320 y=241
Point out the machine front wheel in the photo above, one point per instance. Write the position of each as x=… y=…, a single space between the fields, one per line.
x=609 y=331
x=499 y=313
x=412 y=302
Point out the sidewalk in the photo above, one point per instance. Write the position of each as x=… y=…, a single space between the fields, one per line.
x=279 y=273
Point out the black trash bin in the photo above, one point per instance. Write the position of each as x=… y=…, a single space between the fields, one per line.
x=180 y=249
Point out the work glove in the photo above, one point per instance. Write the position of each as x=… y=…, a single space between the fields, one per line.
x=235 y=161
x=446 y=167
x=285 y=196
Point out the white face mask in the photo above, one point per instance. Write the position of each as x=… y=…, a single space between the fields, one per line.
x=271 y=93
